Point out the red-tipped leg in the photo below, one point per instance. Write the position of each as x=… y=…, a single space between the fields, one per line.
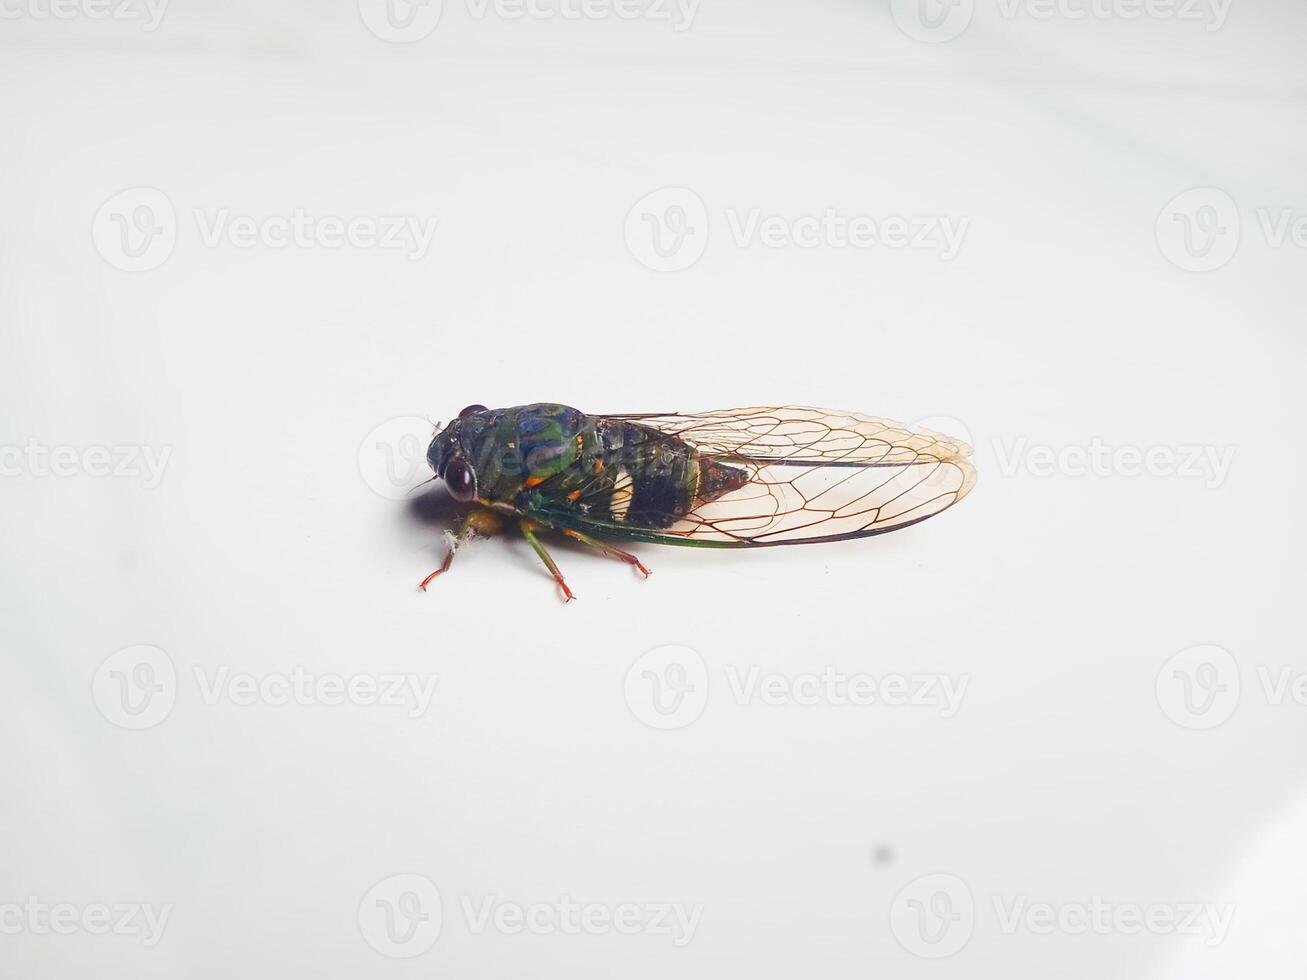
x=567 y=593
x=528 y=532
x=444 y=567
x=610 y=551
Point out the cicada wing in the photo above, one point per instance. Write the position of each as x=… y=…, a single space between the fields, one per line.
x=814 y=435
x=813 y=475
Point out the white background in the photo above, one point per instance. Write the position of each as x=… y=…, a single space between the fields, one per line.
x=1072 y=768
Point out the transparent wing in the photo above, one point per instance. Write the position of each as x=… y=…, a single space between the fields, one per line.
x=798 y=434
x=813 y=475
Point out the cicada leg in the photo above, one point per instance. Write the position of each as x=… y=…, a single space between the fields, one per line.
x=482 y=522
x=444 y=565
x=528 y=532
x=610 y=551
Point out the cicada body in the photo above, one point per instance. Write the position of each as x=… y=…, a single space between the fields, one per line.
x=733 y=478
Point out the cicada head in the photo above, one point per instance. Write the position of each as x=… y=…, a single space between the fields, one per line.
x=439 y=450
x=447 y=455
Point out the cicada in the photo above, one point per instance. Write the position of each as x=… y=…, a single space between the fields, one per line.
x=734 y=478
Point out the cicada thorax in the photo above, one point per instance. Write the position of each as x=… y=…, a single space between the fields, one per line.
x=516 y=449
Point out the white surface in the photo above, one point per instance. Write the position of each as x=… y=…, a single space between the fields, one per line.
x=1062 y=776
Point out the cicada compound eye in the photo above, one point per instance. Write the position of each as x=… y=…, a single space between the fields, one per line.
x=460 y=479
x=472 y=410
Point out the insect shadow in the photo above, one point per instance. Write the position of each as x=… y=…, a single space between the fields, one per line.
x=435 y=508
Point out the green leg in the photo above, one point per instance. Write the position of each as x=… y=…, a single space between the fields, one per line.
x=528 y=532
x=611 y=551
